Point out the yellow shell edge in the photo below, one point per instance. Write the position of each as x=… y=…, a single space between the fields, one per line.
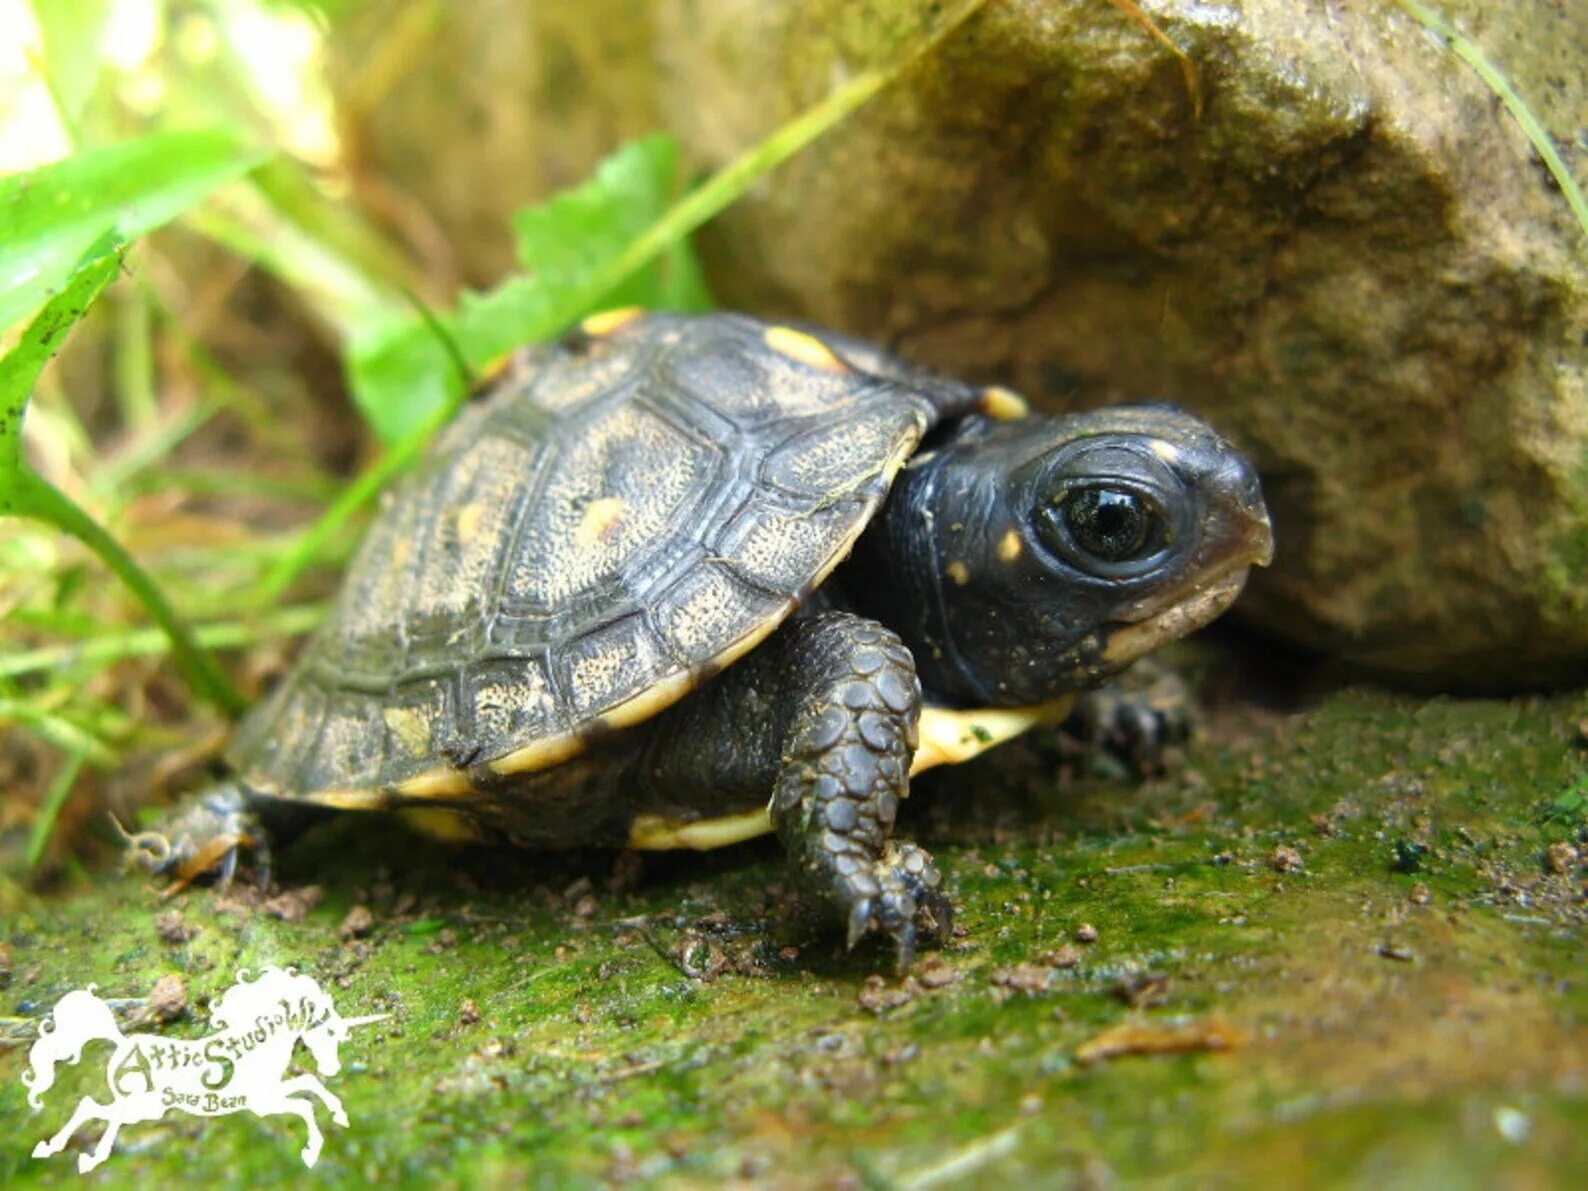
x=440 y=823
x=658 y=833
x=949 y=737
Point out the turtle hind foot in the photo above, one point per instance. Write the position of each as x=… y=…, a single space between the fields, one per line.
x=205 y=838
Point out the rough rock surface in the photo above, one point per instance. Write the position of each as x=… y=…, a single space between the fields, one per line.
x=1350 y=259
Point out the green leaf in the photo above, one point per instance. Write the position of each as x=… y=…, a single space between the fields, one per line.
x=73 y=31
x=565 y=239
x=396 y=373
x=680 y=281
x=401 y=375
x=661 y=239
x=52 y=215
x=23 y=493
x=20 y=367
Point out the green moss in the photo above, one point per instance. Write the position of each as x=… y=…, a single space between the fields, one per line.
x=1412 y=1028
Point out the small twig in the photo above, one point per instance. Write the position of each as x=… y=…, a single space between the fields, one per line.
x=964 y=1161
x=1187 y=67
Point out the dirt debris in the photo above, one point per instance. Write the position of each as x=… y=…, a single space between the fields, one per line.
x=1211 y=1033
x=171 y=930
x=1064 y=957
x=1141 y=990
x=1030 y=979
x=1562 y=857
x=166 y=1001
x=1285 y=859
x=932 y=972
x=293 y=905
x=359 y=922
x=876 y=997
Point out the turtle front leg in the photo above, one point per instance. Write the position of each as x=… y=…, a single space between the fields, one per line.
x=1136 y=721
x=845 y=764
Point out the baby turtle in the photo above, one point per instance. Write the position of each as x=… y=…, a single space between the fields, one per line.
x=679 y=581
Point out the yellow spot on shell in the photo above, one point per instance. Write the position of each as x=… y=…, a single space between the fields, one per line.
x=400 y=552
x=469 y=518
x=959 y=573
x=599 y=518
x=610 y=320
x=1009 y=546
x=494 y=371
x=807 y=349
x=1003 y=404
x=410 y=728
x=1166 y=451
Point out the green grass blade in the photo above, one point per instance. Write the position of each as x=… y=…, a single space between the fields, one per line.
x=72 y=31
x=50 y=809
x=58 y=730
x=37 y=499
x=108 y=648
x=676 y=223
x=25 y=494
x=53 y=215
x=1543 y=144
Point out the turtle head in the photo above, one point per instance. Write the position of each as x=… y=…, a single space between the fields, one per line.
x=1049 y=552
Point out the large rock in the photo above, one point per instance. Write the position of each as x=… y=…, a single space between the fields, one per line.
x=1351 y=260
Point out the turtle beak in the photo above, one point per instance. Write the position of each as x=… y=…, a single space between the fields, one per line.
x=1247 y=533
x=1257 y=532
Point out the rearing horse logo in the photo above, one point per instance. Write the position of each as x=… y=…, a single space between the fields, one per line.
x=240 y=1067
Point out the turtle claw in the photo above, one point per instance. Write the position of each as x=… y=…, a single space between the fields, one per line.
x=859 y=922
x=905 y=939
x=910 y=900
x=935 y=907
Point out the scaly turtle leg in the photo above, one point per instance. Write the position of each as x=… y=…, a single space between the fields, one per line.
x=845 y=766
x=823 y=717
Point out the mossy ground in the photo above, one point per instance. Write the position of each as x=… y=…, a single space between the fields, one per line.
x=1406 y=1008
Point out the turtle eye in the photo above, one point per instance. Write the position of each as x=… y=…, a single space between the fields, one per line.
x=1109 y=525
